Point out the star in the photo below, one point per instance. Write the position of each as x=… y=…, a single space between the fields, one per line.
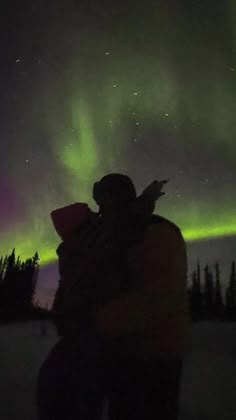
x=166 y=115
x=107 y=53
x=26 y=160
x=114 y=86
x=137 y=123
x=18 y=60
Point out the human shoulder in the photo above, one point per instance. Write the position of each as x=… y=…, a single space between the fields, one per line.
x=163 y=231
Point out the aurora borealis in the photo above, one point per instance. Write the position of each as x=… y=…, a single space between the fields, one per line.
x=92 y=87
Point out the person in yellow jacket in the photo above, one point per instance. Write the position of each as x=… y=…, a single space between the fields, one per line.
x=146 y=329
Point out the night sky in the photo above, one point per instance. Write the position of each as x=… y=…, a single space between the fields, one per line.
x=144 y=88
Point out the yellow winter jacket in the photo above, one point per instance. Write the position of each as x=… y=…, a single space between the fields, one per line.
x=153 y=320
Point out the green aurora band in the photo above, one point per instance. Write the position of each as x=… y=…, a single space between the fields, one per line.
x=96 y=111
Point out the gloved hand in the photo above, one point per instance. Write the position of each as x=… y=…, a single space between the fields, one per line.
x=144 y=206
x=154 y=190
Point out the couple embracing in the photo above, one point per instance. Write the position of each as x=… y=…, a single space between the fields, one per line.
x=120 y=310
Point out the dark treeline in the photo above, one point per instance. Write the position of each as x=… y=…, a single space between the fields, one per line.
x=208 y=299
x=18 y=280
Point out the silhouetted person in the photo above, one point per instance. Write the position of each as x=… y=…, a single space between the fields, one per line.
x=145 y=328
x=74 y=379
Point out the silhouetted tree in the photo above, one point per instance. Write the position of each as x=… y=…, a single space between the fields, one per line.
x=231 y=294
x=199 y=274
x=208 y=293
x=207 y=300
x=218 y=304
x=17 y=287
x=195 y=296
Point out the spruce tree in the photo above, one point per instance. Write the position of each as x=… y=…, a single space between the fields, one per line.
x=208 y=293
x=219 y=307
x=196 y=295
x=231 y=293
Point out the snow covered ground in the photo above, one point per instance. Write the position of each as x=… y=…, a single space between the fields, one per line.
x=208 y=386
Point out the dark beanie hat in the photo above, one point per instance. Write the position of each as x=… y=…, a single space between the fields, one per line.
x=112 y=184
